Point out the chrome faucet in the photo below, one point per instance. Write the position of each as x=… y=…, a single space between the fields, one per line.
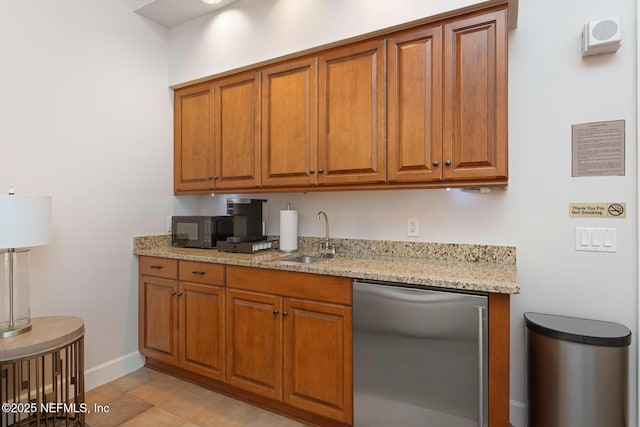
x=327 y=250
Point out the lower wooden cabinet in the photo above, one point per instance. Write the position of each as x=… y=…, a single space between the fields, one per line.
x=279 y=339
x=182 y=323
x=317 y=367
x=254 y=343
x=287 y=341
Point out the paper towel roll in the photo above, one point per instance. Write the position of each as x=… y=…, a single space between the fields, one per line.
x=288 y=230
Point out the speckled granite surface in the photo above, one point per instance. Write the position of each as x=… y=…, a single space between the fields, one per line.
x=454 y=266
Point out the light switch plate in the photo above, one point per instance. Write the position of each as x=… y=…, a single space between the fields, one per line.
x=596 y=239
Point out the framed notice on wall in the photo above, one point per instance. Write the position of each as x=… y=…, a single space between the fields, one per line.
x=597 y=149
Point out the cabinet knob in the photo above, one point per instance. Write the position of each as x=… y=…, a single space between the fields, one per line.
x=320 y=170
x=179 y=294
x=275 y=312
x=215 y=177
x=209 y=178
x=173 y=293
x=447 y=162
x=435 y=163
x=311 y=171
x=285 y=313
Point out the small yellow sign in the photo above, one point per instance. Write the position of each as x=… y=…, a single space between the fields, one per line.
x=597 y=210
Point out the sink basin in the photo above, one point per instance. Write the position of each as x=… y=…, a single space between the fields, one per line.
x=303 y=259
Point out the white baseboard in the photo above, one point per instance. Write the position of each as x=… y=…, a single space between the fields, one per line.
x=518 y=413
x=112 y=370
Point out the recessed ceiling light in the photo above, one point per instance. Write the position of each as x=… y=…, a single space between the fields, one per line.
x=211 y=1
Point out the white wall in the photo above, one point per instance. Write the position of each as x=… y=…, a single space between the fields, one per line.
x=551 y=87
x=86 y=117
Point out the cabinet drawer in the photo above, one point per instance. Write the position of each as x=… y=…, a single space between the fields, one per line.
x=158 y=267
x=201 y=272
x=309 y=286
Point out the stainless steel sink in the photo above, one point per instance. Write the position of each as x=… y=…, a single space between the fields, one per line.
x=303 y=259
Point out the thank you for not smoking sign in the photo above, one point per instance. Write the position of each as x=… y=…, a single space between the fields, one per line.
x=597 y=210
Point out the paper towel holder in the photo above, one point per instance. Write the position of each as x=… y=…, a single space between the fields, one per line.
x=288 y=241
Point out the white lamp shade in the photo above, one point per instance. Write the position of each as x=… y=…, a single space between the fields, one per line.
x=25 y=221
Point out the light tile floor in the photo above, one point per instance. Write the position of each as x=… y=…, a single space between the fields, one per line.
x=150 y=398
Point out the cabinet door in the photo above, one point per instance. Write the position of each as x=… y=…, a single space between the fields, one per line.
x=158 y=319
x=317 y=358
x=415 y=106
x=289 y=134
x=254 y=352
x=193 y=138
x=202 y=329
x=351 y=114
x=475 y=97
x=236 y=131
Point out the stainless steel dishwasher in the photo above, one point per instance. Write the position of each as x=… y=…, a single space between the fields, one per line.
x=419 y=356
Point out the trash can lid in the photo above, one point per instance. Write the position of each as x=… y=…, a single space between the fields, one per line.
x=583 y=331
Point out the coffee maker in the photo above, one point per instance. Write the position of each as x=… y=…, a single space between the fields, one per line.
x=248 y=226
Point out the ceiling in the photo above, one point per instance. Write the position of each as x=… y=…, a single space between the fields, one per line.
x=170 y=13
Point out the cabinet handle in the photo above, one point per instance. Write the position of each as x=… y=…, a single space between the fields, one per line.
x=311 y=171
x=199 y=273
x=285 y=313
x=179 y=294
x=173 y=293
x=156 y=267
x=215 y=177
x=320 y=170
x=447 y=162
x=275 y=312
x=435 y=163
x=209 y=178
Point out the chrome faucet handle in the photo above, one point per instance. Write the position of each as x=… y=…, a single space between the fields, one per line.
x=327 y=250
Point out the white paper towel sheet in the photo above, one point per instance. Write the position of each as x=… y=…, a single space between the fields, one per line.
x=288 y=230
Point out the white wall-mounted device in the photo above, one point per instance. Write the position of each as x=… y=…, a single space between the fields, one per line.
x=602 y=36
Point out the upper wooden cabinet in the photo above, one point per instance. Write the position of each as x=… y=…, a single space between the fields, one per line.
x=414 y=80
x=236 y=132
x=475 y=97
x=193 y=138
x=289 y=129
x=216 y=134
x=447 y=105
x=351 y=111
x=323 y=121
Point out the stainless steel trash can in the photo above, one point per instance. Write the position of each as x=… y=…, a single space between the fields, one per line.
x=577 y=371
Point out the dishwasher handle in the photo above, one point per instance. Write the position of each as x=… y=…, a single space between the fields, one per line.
x=481 y=345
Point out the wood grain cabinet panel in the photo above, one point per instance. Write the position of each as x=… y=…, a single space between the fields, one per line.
x=254 y=349
x=289 y=131
x=236 y=131
x=193 y=138
x=202 y=329
x=158 y=319
x=414 y=79
x=475 y=97
x=317 y=358
x=351 y=111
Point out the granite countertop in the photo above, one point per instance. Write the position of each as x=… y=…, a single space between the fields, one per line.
x=453 y=266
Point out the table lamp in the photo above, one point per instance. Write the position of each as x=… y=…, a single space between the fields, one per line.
x=25 y=221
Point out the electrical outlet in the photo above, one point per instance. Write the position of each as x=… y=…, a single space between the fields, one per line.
x=413 y=227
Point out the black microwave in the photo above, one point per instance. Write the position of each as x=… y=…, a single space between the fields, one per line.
x=200 y=231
